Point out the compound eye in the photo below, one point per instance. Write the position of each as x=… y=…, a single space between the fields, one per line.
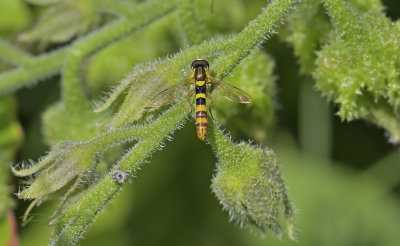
x=194 y=64
x=207 y=65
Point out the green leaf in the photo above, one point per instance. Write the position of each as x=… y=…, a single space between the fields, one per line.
x=143 y=84
x=66 y=162
x=359 y=68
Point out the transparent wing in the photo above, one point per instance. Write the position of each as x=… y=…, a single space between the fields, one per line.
x=170 y=94
x=229 y=91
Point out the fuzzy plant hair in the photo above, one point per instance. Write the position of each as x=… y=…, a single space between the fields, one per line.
x=348 y=47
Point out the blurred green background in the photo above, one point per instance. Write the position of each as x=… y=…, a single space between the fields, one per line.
x=343 y=177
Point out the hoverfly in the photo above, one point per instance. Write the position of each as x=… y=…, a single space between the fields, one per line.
x=201 y=80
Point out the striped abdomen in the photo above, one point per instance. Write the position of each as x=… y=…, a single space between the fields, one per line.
x=201 y=111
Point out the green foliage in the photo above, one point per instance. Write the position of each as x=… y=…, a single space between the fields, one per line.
x=60 y=23
x=352 y=54
x=13 y=55
x=307 y=30
x=249 y=185
x=358 y=69
x=39 y=68
x=357 y=66
x=255 y=74
x=118 y=58
x=194 y=30
x=71 y=165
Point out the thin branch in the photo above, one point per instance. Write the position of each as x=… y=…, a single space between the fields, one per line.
x=14 y=55
x=135 y=19
x=39 y=68
x=193 y=28
x=259 y=30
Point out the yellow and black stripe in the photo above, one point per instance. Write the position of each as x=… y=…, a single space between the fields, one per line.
x=201 y=79
x=201 y=110
x=200 y=74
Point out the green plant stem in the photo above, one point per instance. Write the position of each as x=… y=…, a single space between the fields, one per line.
x=253 y=35
x=14 y=55
x=179 y=61
x=242 y=44
x=192 y=27
x=39 y=68
x=71 y=226
x=72 y=85
x=342 y=16
x=43 y=66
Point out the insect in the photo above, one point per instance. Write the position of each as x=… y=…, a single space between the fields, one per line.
x=201 y=80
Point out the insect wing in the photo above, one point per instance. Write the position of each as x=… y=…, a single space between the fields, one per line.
x=231 y=92
x=169 y=95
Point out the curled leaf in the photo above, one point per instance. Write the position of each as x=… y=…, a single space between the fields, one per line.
x=66 y=162
x=135 y=76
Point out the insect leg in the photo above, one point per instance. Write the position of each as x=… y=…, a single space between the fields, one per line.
x=209 y=108
x=190 y=102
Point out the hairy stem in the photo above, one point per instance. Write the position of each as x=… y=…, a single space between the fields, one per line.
x=13 y=54
x=72 y=84
x=43 y=66
x=38 y=68
x=98 y=196
x=342 y=15
x=193 y=29
x=254 y=34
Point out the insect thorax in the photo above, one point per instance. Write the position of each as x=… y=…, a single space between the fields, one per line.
x=200 y=74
